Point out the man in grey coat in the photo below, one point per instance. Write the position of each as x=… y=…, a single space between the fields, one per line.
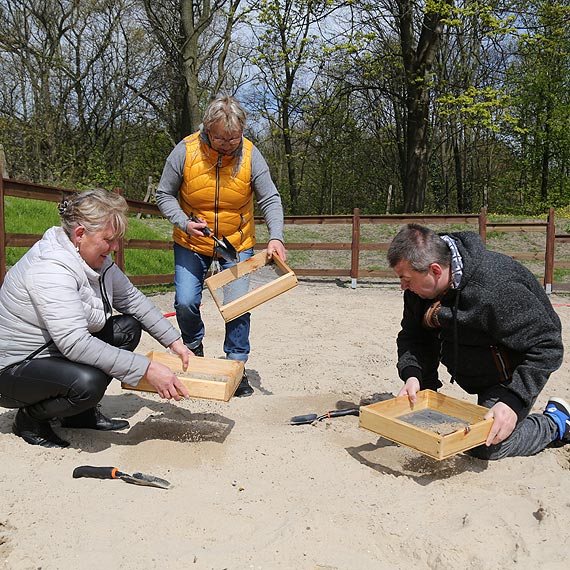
x=488 y=320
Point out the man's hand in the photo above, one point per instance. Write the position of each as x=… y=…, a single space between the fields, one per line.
x=167 y=384
x=178 y=347
x=505 y=420
x=275 y=246
x=411 y=387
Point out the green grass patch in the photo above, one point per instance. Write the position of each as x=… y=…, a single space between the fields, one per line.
x=25 y=216
x=149 y=261
x=561 y=275
x=150 y=290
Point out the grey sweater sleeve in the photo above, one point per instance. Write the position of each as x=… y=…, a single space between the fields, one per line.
x=169 y=186
x=267 y=196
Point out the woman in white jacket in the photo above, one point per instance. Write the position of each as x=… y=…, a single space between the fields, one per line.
x=60 y=343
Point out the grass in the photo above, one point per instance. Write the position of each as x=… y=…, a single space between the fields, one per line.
x=34 y=216
x=149 y=261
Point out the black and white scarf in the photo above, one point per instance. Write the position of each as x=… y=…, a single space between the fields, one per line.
x=456 y=261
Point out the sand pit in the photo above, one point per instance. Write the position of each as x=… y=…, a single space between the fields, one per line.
x=251 y=491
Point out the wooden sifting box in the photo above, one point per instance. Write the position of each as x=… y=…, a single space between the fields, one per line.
x=211 y=378
x=437 y=425
x=240 y=288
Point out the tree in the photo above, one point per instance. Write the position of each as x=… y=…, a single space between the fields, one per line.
x=70 y=96
x=538 y=80
x=196 y=38
x=289 y=38
x=469 y=108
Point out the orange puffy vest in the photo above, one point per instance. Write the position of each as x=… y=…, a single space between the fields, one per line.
x=212 y=190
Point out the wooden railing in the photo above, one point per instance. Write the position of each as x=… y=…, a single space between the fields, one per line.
x=21 y=189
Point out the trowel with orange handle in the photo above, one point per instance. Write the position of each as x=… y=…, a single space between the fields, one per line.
x=311 y=418
x=114 y=473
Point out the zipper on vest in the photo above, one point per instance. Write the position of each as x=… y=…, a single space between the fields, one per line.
x=217 y=195
x=241 y=226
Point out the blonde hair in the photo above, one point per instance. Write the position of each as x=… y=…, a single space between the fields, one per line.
x=94 y=210
x=226 y=110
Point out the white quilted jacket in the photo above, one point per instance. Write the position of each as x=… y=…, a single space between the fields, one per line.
x=51 y=293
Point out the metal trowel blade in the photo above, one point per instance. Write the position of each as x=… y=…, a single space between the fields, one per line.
x=300 y=420
x=144 y=479
x=226 y=250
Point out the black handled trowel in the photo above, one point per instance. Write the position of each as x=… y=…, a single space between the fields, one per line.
x=223 y=246
x=312 y=418
x=114 y=473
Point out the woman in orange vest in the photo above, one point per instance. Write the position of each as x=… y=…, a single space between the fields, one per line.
x=213 y=176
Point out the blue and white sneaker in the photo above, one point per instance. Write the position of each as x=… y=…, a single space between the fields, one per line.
x=559 y=410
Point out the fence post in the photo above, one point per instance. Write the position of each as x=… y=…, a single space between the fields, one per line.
x=2 y=233
x=355 y=247
x=483 y=224
x=120 y=253
x=549 y=253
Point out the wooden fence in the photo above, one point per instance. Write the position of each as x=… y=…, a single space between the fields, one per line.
x=9 y=187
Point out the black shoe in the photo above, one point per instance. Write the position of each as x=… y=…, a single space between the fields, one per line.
x=93 y=419
x=36 y=432
x=244 y=388
x=198 y=351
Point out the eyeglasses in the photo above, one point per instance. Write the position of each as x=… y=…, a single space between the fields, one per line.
x=221 y=140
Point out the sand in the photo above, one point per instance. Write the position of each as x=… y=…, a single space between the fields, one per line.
x=250 y=491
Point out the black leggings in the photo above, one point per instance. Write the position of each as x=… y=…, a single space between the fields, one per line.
x=54 y=387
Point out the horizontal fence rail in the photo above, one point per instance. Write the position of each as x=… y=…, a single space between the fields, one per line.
x=355 y=246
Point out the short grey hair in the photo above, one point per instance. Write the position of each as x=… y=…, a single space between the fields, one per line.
x=94 y=210
x=226 y=110
x=420 y=247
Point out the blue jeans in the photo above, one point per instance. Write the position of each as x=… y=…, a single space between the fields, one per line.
x=190 y=270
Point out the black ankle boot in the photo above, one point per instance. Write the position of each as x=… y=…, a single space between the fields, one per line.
x=199 y=350
x=36 y=432
x=244 y=388
x=93 y=419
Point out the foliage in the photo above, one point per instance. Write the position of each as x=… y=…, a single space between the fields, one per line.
x=427 y=105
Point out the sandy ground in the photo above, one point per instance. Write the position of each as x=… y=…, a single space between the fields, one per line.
x=251 y=491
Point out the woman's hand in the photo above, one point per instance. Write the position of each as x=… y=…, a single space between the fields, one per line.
x=411 y=387
x=167 y=384
x=195 y=228
x=178 y=347
x=275 y=246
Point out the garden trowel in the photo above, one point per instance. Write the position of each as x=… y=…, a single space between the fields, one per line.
x=312 y=418
x=223 y=246
x=114 y=473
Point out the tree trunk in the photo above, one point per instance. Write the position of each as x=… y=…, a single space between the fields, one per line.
x=291 y=170
x=416 y=150
x=461 y=199
x=417 y=64
x=545 y=158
